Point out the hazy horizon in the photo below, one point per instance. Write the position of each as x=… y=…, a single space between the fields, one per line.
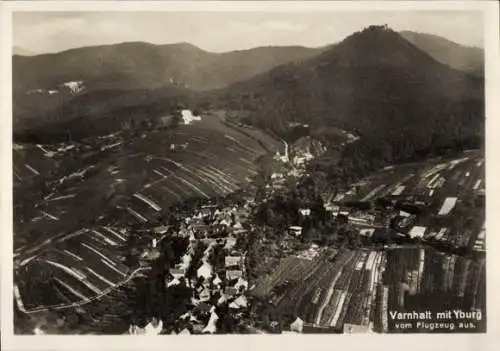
x=49 y=32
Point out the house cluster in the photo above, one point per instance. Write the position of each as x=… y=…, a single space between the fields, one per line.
x=296 y=158
x=154 y=327
x=212 y=286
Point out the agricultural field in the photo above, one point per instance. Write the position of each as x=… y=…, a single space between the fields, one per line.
x=75 y=268
x=332 y=290
x=425 y=279
x=435 y=179
x=72 y=202
x=446 y=197
x=133 y=180
x=29 y=161
x=354 y=291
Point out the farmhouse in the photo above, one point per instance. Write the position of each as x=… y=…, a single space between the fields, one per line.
x=184 y=331
x=188 y=117
x=231 y=261
x=404 y=214
x=295 y=230
x=417 y=231
x=230 y=242
x=205 y=271
x=74 y=86
x=331 y=207
x=233 y=274
x=241 y=284
x=211 y=327
x=173 y=282
x=367 y=232
x=239 y=302
x=344 y=212
x=152 y=328
x=362 y=219
x=305 y=211
x=217 y=281
x=297 y=325
x=178 y=272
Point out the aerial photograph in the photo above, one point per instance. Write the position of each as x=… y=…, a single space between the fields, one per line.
x=248 y=172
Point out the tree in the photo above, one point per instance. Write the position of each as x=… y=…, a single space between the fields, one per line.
x=175 y=121
x=196 y=260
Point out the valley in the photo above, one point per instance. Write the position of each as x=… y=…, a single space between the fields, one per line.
x=274 y=190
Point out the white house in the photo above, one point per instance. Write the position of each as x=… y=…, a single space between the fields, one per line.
x=217 y=281
x=173 y=282
x=211 y=327
x=231 y=261
x=305 y=211
x=233 y=274
x=295 y=230
x=204 y=271
x=417 y=231
x=184 y=331
x=239 y=302
x=241 y=283
x=188 y=117
x=297 y=326
x=154 y=327
x=230 y=242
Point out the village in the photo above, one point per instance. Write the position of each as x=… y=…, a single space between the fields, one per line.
x=392 y=220
x=216 y=228
x=391 y=211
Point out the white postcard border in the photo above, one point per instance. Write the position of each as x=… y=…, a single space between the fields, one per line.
x=257 y=342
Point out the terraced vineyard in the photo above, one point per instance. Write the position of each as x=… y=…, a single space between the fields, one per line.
x=336 y=288
x=446 y=195
x=71 y=269
x=438 y=177
x=422 y=277
x=357 y=291
x=92 y=191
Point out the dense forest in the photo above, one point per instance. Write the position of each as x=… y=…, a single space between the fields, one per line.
x=400 y=102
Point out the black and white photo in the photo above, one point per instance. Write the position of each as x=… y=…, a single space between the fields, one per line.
x=249 y=172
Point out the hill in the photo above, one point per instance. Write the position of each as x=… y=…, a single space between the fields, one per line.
x=122 y=164
x=376 y=84
x=145 y=65
x=460 y=57
x=44 y=83
x=70 y=198
x=93 y=113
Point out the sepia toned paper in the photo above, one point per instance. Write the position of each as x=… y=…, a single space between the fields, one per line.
x=247 y=174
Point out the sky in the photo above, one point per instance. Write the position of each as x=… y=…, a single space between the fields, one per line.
x=44 y=32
